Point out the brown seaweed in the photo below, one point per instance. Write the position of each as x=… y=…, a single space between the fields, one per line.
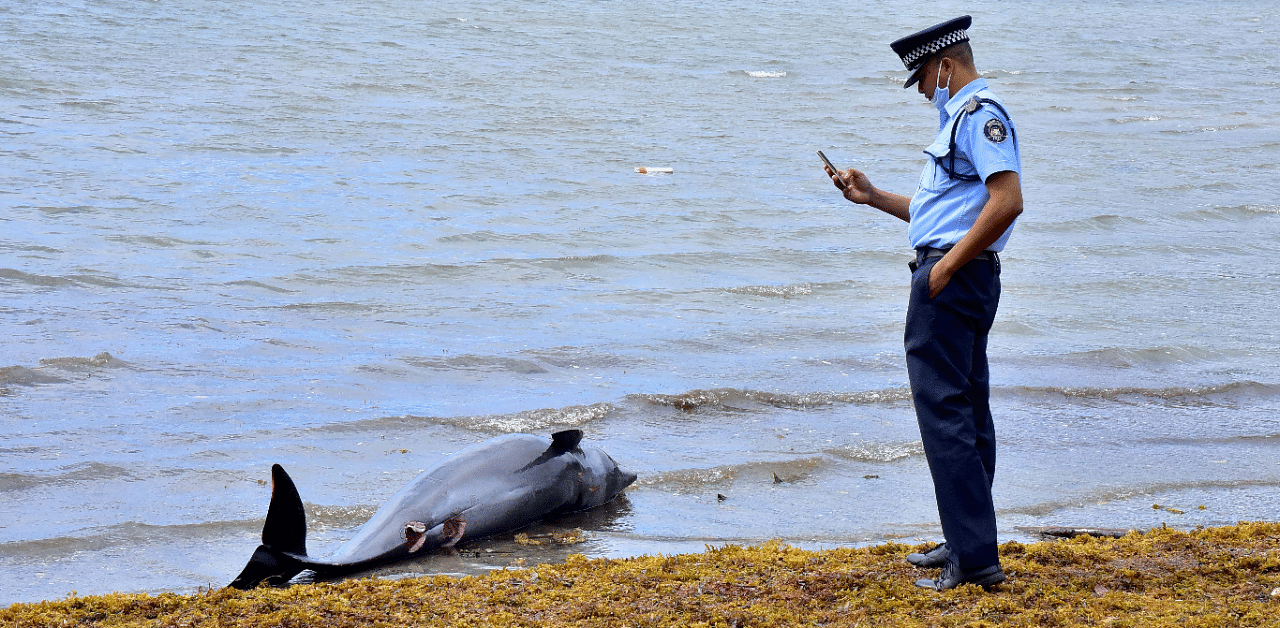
x=1226 y=576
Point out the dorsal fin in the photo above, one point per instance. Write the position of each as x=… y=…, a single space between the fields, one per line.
x=286 y=527
x=566 y=440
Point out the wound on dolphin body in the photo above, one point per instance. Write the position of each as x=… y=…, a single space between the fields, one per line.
x=415 y=533
x=453 y=528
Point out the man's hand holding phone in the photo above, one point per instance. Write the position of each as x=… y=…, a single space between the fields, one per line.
x=857 y=188
x=855 y=185
x=832 y=170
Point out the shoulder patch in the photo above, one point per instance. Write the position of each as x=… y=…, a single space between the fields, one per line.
x=995 y=130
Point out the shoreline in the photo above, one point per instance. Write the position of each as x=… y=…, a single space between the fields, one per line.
x=1213 y=576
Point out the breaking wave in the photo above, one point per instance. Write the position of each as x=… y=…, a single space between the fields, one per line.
x=734 y=398
x=68 y=368
x=1233 y=390
x=89 y=472
x=878 y=452
x=534 y=420
x=782 y=471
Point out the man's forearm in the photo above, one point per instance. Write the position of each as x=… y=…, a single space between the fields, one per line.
x=1004 y=206
x=895 y=205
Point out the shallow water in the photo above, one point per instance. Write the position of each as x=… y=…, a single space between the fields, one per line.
x=353 y=238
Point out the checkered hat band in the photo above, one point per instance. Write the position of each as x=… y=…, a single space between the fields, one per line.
x=924 y=50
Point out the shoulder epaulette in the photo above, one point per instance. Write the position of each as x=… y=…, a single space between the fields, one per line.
x=971 y=107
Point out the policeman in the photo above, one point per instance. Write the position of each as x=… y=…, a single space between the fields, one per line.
x=959 y=219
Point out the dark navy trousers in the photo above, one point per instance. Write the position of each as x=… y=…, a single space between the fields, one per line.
x=946 y=342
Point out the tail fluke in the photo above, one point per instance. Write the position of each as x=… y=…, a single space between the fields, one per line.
x=284 y=537
x=269 y=566
x=286 y=526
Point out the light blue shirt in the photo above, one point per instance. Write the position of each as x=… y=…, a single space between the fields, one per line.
x=943 y=208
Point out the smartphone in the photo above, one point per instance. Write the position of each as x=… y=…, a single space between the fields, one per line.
x=828 y=162
x=839 y=183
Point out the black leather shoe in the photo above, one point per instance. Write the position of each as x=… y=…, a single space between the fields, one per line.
x=935 y=557
x=952 y=577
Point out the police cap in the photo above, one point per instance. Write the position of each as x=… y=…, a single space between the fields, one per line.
x=916 y=49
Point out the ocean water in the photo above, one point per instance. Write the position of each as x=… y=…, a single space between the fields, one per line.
x=354 y=237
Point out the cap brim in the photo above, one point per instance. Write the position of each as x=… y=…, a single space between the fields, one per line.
x=915 y=75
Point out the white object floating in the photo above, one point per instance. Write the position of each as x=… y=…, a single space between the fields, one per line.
x=646 y=170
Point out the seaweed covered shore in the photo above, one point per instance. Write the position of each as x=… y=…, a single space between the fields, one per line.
x=1226 y=576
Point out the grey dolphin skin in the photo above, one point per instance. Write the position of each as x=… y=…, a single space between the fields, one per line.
x=502 y=484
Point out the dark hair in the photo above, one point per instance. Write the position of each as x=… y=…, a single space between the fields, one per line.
x=960 y=52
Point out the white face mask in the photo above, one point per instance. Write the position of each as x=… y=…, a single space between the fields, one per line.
x=941 y=95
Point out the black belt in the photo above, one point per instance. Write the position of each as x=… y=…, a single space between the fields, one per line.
x=926 y=253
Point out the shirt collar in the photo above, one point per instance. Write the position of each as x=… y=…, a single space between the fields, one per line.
x=957 y=101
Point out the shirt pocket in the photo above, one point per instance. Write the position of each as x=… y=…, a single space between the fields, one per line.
x=934 y=178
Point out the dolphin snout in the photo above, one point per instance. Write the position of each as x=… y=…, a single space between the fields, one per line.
x=625 y=477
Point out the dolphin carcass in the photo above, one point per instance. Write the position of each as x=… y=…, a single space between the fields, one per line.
x=497 y=486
